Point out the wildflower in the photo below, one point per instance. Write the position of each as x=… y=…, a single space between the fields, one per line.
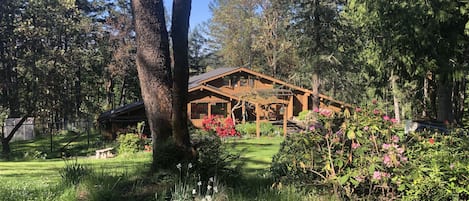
x=403 y=159
x=355 y=145
x=339 y=132
x=179 y=166
x=386 y=118
x=374 y=101
x=358 y=109
x=189 y=165
x=431 y=141
x=215 y=189
x=451 y=166
x=395 y=138
x=400 y=150
x=393 y=120
x=194 y=191
x=211 y=179
x=312 y=128
x=316 y=109
x=209 y=187
x=366 y=128
x=376 y=112
x=199 y=183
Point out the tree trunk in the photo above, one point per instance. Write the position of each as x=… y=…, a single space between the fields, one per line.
x=425 y=94
x=6 y=141
x=394 y=95
x=154 y=70
x=445 y=111
x=179 y=35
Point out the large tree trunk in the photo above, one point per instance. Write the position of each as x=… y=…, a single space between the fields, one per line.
x=154 y=70
x=179 y=35
x=445 y=109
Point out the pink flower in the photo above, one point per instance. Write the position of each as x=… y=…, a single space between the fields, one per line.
x=376 y=112
x=386 y=146
x=387 y=160
x=359 y=178
x=355 y=145
x=403 y=159
x=393 y=120
x=400 y=150
x=374 y=101
x=312 y=128
x=386 y=118
x=358 y=109
x=316 y=109
x=451 y=166
x=366 y=128
x=395 y=138
x=377 y=175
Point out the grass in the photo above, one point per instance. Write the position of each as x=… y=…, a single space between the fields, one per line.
x=39 y=179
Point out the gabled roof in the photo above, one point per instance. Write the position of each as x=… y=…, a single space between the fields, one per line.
x=201 y=79
x=197 y=80
x=112 y=115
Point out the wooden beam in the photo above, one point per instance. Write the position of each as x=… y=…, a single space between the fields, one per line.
x=189 y=106
x=284 y=122
x=258 y=121
x=305 y=101
x=290 y=107
x=228 y=110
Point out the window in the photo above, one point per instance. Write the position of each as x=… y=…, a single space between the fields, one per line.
x=219 y=109
x=199 y=110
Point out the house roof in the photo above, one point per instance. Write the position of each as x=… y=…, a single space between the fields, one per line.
x=115 y=113
x=197 y=80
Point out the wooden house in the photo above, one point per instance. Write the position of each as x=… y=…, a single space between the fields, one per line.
x=241 y=93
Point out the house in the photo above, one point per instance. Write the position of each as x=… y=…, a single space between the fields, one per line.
x=241 y=93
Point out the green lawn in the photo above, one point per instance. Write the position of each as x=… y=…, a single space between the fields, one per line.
x=23 y=178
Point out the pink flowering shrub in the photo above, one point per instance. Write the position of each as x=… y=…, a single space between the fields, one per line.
x=366 y=155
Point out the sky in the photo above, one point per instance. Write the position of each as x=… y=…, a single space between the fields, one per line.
x=199 y=11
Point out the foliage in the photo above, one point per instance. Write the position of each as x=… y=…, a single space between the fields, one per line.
x=266 y=129
x=130 y=143
x=74 y=172
x=223 y=128
x=437 y=168
x=214 y=159
x=367 y=155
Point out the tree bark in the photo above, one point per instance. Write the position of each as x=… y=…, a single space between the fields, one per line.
x=445 y=111
x=394 y=95
x=6 y=141
x=154 y=70
x=179 y=35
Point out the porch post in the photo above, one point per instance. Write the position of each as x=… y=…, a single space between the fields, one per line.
x=284 y=123
x=209 y=109
x=189 y=110
x=305 y=101
x=243 y=112
x=258 y=121
x=228 y=110
x=290 y=107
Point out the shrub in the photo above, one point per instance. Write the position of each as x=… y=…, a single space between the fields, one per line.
x=246 y=129
x=223 y=128
x=130 y=143
x=213 y=158
x=366 y=155
x=266 y=129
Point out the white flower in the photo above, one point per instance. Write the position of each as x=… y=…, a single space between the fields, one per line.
x=194 y=191
x=189 y=165
x=211 y=179
x=209 y=187
x=179 y=166
x=215 y=189
x=199 y=183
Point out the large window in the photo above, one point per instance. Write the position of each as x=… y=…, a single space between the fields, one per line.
x=219 y=109
x=199 y=110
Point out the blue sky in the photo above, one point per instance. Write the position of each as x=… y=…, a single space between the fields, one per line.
x=199 y=12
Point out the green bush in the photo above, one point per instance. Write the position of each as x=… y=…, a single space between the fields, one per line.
x=266 y=128
x=213 y=158
x=246 y=129
x=130 y=143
